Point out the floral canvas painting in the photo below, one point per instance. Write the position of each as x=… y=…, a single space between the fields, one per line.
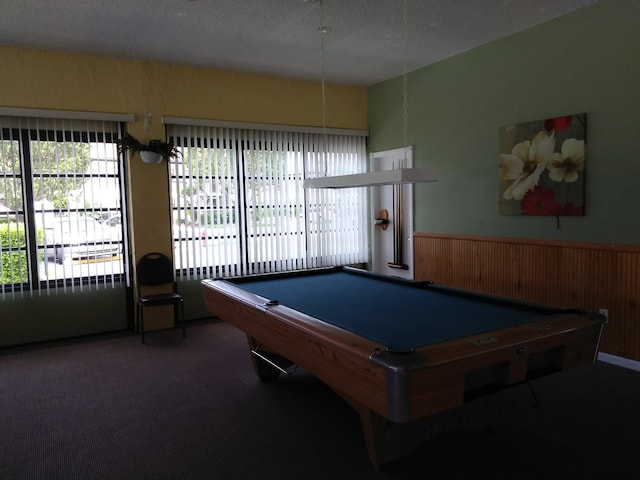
x=542 y=166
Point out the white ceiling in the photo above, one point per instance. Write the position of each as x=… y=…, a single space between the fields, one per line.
x=275 y=37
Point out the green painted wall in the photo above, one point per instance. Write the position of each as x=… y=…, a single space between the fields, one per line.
x=585 y=62
x=61 y=313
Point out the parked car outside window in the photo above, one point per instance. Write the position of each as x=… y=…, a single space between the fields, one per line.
x=79 y=237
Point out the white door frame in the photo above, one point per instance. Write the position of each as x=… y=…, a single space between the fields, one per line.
x=399 y=231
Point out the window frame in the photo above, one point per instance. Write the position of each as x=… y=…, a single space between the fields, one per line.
x=240 y=141
x=31 y=133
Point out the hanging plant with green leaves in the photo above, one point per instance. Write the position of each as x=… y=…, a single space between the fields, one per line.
x=152 y=152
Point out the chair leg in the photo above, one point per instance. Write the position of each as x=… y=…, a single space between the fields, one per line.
x=184 y=331
x=179 y=313
x=141 y=321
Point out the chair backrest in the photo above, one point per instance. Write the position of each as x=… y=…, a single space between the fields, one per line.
x=155 y=268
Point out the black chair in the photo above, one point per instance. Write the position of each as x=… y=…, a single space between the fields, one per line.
x=157 y=287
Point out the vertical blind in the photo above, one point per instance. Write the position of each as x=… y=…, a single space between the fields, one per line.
x=239 y=206
x=60 y=204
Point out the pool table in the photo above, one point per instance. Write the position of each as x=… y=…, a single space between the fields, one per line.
x=400 y=352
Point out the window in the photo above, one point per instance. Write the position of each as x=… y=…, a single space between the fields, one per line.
x=239 y=206
x=60 y=204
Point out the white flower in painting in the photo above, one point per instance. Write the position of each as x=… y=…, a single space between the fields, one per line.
x=525 y=164
x=564 y=167
x=511 y=164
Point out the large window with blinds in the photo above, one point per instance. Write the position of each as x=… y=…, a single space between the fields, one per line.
x=60 y=204
x=239 y=206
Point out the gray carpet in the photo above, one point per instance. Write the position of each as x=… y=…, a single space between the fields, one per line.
x=108 y=407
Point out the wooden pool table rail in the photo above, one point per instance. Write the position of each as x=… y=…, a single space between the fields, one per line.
x=446 y=375
x=335 y=356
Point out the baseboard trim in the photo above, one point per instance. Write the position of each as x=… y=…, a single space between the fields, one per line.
x=620 y=361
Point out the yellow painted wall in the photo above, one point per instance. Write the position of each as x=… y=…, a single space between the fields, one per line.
x=64 y=81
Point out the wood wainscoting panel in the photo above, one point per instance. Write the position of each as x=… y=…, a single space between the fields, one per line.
x=590 y=276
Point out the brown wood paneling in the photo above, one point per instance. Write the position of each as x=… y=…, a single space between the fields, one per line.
x=583 y=275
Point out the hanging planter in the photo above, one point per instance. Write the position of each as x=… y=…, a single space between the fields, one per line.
x=153 y=152
x=148 y=156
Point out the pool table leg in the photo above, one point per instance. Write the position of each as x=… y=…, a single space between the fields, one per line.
x=373 y=429
x=386 y=440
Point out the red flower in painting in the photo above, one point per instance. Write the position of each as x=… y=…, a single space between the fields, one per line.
x=558 y=124
x=540 y=201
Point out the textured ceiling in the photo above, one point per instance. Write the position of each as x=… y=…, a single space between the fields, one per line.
x=275 y=37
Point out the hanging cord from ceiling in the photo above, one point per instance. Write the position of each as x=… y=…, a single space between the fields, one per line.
x=405 y=105
x=323 y=29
